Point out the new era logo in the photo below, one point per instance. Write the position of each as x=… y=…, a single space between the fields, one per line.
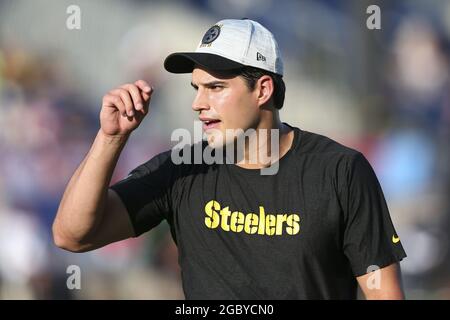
x=260 y=57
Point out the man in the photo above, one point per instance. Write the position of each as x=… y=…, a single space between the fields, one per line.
x=314 y=229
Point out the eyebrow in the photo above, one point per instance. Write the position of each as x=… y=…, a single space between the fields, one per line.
x=209 y=84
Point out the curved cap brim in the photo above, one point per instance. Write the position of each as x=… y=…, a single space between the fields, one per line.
x=184 y=62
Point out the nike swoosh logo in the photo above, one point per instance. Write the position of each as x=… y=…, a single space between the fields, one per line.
x=395 y=239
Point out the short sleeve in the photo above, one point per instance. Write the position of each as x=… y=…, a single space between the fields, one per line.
x=146 y=192
x=369 y=237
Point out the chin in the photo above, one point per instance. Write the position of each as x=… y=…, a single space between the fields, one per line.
x=215 y=140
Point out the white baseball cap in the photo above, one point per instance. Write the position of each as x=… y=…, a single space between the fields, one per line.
x=231 y=44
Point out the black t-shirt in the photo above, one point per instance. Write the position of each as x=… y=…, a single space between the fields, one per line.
x=303 y=233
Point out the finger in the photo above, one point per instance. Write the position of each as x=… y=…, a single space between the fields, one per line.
x=146 y=97
x=135 y=95
x=144 y=86
x=126 y=99
x=112 y=100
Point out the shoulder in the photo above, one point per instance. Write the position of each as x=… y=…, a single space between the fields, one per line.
x=319 y=152
x=317 y=144
x=159 y=161
x=173 y=160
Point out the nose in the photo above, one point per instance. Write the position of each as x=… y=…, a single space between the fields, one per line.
x=200 y=101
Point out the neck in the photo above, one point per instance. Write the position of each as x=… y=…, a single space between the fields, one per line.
x=270 y=140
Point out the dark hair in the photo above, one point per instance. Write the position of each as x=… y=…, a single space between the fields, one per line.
x=251 y=75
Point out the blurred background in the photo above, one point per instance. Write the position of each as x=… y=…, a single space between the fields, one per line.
x=384 y=92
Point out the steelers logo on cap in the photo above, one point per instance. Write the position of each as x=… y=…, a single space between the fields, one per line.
x=211 y=35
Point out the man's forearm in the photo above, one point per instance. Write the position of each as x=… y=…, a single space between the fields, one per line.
x=82 y=205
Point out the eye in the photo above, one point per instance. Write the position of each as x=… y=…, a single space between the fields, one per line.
x=216 y=87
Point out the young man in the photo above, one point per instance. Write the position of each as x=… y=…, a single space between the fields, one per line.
x=314 y=229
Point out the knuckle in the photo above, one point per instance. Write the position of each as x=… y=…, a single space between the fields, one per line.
x=132 y=88
x=125 y=86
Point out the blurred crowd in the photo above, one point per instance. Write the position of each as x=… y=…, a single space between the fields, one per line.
x=385 y=92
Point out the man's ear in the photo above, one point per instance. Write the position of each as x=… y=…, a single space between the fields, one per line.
x=265 y=88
